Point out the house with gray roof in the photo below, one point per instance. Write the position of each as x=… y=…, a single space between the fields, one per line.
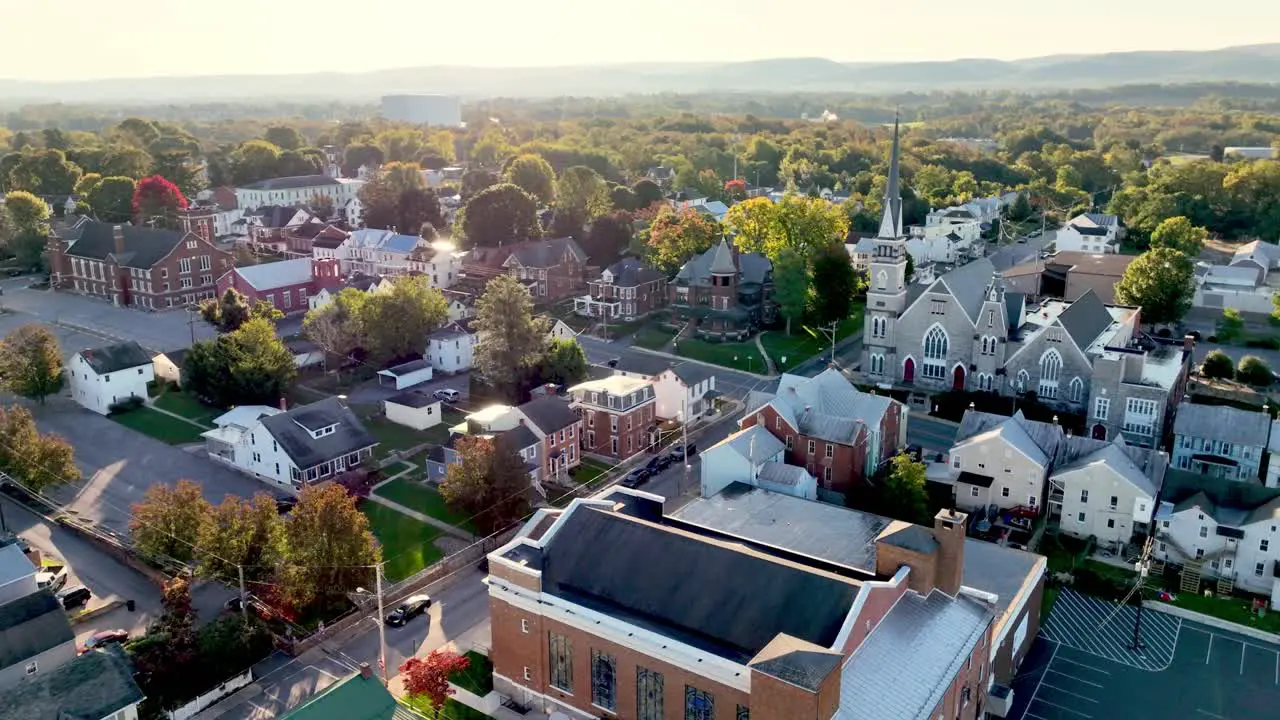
x=1090 y=233
x=97 y=684
x=297 y=190
x=753 y=457
x=686 y=391
x=552 y=269
x=1220 y=441
x=99 y=378
x=35 y=637
x=728 y=293
x=745 y=623
x=836 y=432
x=375 y=253
x=1273 y=449
x=627 y=289
x=1220 y=530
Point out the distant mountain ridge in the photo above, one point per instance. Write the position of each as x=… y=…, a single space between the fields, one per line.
x=1245 y=64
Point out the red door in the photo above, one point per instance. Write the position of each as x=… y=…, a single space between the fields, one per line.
x=958 y=382
x=909 y=371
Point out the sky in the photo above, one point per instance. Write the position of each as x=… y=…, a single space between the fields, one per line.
x=88 y=39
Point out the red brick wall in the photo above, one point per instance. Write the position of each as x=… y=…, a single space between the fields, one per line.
x=890 y=426
x=847 y=462
x=551 y=444
x=878 y=603
x=275 y=295
x=641 y=418
x=1008 y=657
x=970 y=675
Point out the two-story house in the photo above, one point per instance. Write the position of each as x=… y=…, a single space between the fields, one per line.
x=1107 y=490
x=727 y=293
x=440 y=261
x=551 y=269
x=1090 y=233
x=35 y=638
x=138 y=267
x=545 y=431
x=686 y=391
x=1273 y=450
x=101 y=377
x=620 y=415
x=294 y=448
x=98 y=684
x=836 y=432
x=625 y=290
x=378 y=252
x=1220 y=529
x=1220 y=441
x=451 y=349
x=753 y=456
x=288 y=285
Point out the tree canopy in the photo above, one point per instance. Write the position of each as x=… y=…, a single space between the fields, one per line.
x=534 y=175
x=499 y=215
x=489 y=481
x=35 y=460
x=248 y=366
x=515 y=340
x=1161 y=282
x=31 y=362
x=1179 y=234
x=674 y=237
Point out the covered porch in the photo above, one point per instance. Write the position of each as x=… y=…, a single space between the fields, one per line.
x=588 y=306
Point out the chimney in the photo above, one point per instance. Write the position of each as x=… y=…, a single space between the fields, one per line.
x=117 y=238
x=284 y=404
x=366 y=672
x=948 y=530
x=1188 y=343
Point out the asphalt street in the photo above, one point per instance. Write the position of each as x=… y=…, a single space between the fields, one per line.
x=1020 y=252
x=732 y=383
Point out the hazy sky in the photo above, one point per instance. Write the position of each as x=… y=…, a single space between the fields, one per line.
x=83 y=39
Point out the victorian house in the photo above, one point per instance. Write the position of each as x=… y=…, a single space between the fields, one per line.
x=727 y=294
x=625 y=290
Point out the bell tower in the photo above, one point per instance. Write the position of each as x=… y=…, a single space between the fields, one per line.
x=886 y=280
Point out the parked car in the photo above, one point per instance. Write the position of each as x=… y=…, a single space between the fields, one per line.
x=448 y=395
x=104 y=638
x=14 y=272
x=636 y=478
x=285 y=505
x=680 y=452
x=74 y=597
x=408 y=610
x=54 y=577
x=658 y=463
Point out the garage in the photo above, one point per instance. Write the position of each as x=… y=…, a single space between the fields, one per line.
x=406 y=375
x=414 y=408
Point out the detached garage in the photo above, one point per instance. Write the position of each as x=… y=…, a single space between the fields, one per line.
x=406 y=375
x=415 y=409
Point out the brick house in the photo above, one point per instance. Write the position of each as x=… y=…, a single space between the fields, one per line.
x=733 y=627
x=625 y=290
x=837 y=433
x=551 y=269
x=287 y=285
x=545 y=431
x=135 y=266
x=619 y=413
x=301 y=239
x=727 y=293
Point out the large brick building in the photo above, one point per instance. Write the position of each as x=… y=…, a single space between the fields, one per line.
x=620 y=414
x=727 y=294
x=288 y=285
x=625 y=290
x=836 y=433
x=137 y=267
x=613 y=607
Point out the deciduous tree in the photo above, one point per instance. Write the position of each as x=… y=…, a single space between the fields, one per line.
x=498 y=215
x=676 y=237
x=156 y=202
x=1218 y=365
x=1253 y=370
x=609 y=237
x=396 y=322
x=240 y=532
x=284 y=137
x=490 y=482
x=476 y=180
x=904 y=495
x=229 y=312
x=112 y=199
x=35 y=460
x=29 y=213
x=361 y=154
x=248 y=366
x=329 y=548
x=166 y=523
x=1179 y=234
x=31 y=362
x=1161 y=282
x=790 y=286
x=428 y=677
x=403 y=145
x=338 y=327
x=581 y=196
x=534 y=175
x=125 y=161
x=515 y=340
x=564 y=363
x=834 y=285
x=253 y=161
x=647 y=193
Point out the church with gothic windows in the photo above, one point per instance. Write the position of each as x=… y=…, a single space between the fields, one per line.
x=965 y=332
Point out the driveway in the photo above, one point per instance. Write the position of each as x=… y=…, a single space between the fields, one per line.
x=119 y=465
x=159 y=331
x=372 y=392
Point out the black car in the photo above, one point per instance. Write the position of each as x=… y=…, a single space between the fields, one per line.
x=14 y=272
x=285 y=505
x=658 y=464
x=681 y=452
x=636 y=478
x=74 y=597
x=408 y=610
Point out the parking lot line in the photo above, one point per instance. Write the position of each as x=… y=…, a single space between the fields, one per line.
x=1065 y=709
x=1076 y=679
x=1082 y=697
x=1040 y=682
x=1033 y=715
x=1208 y=651
x=1242 y=646
x=1086 y=667
x=1210 y=714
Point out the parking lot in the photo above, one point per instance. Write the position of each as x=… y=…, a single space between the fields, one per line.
x=1081 y=668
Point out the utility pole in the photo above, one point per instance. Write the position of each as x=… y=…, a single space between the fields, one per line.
x=831 y=330
x=684 y=427
x=1144 y=565
x=382 y=629
x=244 y=598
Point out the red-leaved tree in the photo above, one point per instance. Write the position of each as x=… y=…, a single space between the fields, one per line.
x=156 y=201
x=735 y=189
x=429 y=676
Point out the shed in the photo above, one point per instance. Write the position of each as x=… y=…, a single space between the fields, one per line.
x=305 y=353
x=168 y=365
x=413 y=408
x=406 y=375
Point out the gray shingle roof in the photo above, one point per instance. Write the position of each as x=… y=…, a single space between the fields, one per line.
x=1088 y=230
x=968 y=285
x=691 y=373
x=112 y=358
x=291 y=183
x=902 y=670
x=1222 y=422
x=292 y=430
x=631 y=272
x=717 y=596
x=143 y=246
x=30 y=625
x=550 y=414
x=413 y=399
x=826 y=406
x=520 y=437
x=752 y=268
x=642 y=364
x=1141 y=467
x=94 y=685
x=1228 y=502
x=754 y=443
x=1045 y=438
x=1085 y=319
x=547 y=253
x=722 y=262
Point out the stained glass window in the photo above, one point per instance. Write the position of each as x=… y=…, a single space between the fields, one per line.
x=560 y=650
x=603 y=680
x=698 y=704
x=648 y=694
x=744 y=713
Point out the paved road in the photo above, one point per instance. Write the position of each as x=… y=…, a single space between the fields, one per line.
x=730 y=382
x=1019 y=252
x=120 y=464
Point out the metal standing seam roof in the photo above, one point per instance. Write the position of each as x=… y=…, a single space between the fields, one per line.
x=1015 y=435
x=753 y=443
x=113 y=358
x=353 y=698
x=292 y=430
x=777 y=473
x=1222 y=422
x=270 y=276
x=835 y=406
x=383 y=240
x=719 y=596
x=905 y=666
x=408 y=368
x=94 y=685
x=1113 y=455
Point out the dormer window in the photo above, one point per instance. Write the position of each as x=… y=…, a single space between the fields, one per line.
x=321 y=432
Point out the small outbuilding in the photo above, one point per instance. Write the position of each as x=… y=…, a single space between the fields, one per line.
x=413 y=408
x=167 y=366
x=406 y=375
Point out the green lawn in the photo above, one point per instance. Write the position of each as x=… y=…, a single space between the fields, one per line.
x=804 y=341
x=159 y=426
x=184 y=404
x=426 y=500
x=407 y=544
x=1232 y=609
x=393 y=436
x=588 y=471
x=652 y=337
x=739 y=356
x=478 y=677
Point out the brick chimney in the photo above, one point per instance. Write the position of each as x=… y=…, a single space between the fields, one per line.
x=948 y=530
x=1188 y=343
x=366 y=672
x=117 y=239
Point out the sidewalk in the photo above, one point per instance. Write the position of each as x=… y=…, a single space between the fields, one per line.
x=452 y=530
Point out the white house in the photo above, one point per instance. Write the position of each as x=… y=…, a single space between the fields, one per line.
x=1247 y=284
x=406 y=375
x=950 y=248
x=440 y=261
x=378 y=252
x=960 y=221
x=861 y=246
x=560 y=330
x=1273 y=449
x=1220 y=529
x=363 y=283
x=461 y=304
x=103 y=376
x=307 y=444
x=297 y=190
x=754 y=457
x=1109 y=493
x=1262 y=152
x=685 y=392
x=1090 y=233
x=413 y=408
x=451 y=349
x=167 y=366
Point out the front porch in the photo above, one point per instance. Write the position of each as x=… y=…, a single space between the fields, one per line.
x=588 y=306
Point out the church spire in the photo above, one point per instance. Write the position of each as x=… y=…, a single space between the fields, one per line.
x=891 y=222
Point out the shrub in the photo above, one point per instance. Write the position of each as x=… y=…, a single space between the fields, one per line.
x=1266 y=343
x=133 y=402
x=1213 y=339
x=1254 y=371
x=1218 y=365
x=1164 y=333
